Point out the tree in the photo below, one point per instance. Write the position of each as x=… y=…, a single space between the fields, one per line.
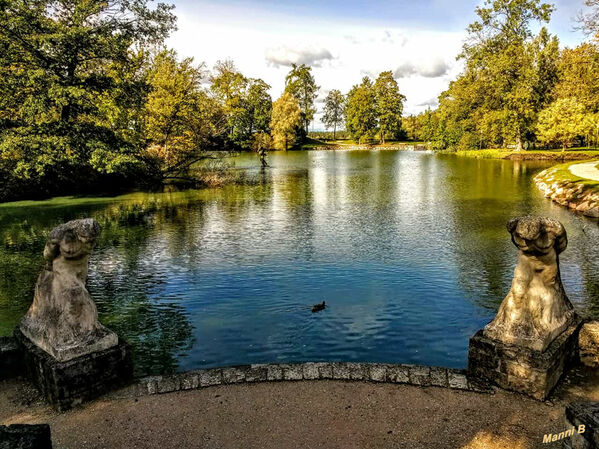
x=360 y=110
x=333 y=110
x=389 y=104
x=245 y=101
x=301 y=84
x=508 y=77
x=181 y=120
x=286 y=118
x=562 y=122
x=58 y=64
x=229 y=87
x=258 y=106
x=589 y=21
x=579 y=75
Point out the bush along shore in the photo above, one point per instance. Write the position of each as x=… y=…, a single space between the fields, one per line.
x=569 y=190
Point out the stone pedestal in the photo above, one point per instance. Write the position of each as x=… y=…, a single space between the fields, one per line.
x=11 y=359
x=522 y=369
x=66 y=384
x=25 y=436
x=584 y=417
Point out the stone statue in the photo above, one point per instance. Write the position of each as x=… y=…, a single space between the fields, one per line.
x=63 y=319
x=536 y=309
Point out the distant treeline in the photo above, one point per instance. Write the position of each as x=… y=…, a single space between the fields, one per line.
x=518 y=89
x=91 y=100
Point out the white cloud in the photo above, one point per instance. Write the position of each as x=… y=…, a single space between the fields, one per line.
x=286 y=56
x=338 y=60
x=431 y=68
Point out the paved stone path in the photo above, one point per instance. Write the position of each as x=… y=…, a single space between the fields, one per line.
x=587 y=170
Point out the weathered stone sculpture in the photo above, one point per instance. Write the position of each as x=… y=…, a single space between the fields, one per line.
x=536 y=309
x=63 y=319
x=534 y=337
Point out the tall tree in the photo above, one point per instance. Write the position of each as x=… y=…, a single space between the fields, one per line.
x=589 y=20
x=562 y=122
x=57 y=67
x=301 y=84
x=507 y=79
x=333 y=110
x=389 y=105
x=258 y=106
x=286 y=119
x=360 y=111
x=181 y=122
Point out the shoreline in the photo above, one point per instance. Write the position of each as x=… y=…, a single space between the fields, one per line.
x=304 y=414
x=559 y=184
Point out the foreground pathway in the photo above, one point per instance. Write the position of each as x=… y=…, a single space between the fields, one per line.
x=307 y=414
x=587 y=170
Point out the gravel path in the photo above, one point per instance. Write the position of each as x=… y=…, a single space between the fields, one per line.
x=308 y=414
x=586 y=170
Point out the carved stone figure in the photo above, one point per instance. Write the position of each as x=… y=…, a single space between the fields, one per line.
x=63 y=319
x=536 y=309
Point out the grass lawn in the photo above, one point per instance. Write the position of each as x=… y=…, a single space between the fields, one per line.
x=498 y=153
x=562 y=172
x=314 y=143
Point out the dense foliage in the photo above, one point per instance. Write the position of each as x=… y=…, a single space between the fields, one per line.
x=91 y=101
x=517 y=88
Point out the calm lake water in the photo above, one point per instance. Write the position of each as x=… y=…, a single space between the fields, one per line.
x=409 y=250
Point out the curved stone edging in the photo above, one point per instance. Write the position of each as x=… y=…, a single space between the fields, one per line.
x=569 y=193
x=416 y=375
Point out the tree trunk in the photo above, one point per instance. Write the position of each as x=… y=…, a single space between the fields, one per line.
x=334 y=131
x=519 y=143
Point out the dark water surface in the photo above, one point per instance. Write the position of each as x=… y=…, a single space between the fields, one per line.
x=409 y=250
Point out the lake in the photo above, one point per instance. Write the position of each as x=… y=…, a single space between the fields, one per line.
x=408 y=249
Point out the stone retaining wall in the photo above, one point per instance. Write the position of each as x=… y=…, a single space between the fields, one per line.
x=572 y=194
x=418 y=147
x=417 y=375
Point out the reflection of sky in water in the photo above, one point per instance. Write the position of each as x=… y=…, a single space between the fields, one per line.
x=409 y=251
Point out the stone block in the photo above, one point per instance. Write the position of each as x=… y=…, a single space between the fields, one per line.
x=358 y=371
x=66 y=384
x=274 y=372
x=419 y=375
x=190 y=380
x=378 y=373
x=25 y=436
x=398 y=374
x=325 y=370
x=457 y=379
x=341 y=371
x=293 y=372
x=11 y=358
x=522 y=369
x=438 y=376
x=586 y=414
x=588 y=342
x=211 y=377
x=233 y=375
x=310 y=371
x=168 y=384
x=256 y=373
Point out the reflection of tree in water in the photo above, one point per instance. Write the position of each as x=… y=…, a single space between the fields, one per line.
x=480 y=204
x=158 y=333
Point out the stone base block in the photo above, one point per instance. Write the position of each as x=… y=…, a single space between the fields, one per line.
x=66 y=384
x=11 y=358
x=584 y=417
x=589 y=344
x=524 y=370
x=25 y=436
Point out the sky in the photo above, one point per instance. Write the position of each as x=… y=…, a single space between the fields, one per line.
x=342 y=41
